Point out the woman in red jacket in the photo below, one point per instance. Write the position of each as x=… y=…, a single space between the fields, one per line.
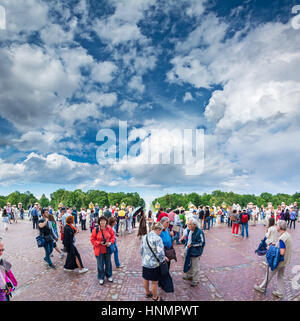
x=102 y=238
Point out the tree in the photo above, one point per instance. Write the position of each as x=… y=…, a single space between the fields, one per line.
x=44 y=201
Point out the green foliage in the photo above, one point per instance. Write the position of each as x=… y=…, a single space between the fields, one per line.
x=218 y=197
x=76 y=198
x=44 y=202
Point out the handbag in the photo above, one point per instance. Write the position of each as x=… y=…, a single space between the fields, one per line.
x=163 y=266
x=171 y=254
x=40 y=241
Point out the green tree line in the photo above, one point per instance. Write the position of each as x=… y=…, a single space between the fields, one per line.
x=76 y=198
x=218 y=197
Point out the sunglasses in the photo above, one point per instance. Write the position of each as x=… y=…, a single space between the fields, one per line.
x=1 y=250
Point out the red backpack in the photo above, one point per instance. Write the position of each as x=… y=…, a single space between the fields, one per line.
x=245 y=218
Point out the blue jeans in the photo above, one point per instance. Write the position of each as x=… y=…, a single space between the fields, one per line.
x=116 y=255
x=176 y=237
x=207 y=221
x=48 y=251
x=212 y=221
x=104 y=266
x=245 y=226
x=262 y=215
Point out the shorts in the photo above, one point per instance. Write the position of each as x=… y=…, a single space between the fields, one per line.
x=151 y=274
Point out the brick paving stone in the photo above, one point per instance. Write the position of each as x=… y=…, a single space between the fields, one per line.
x=229 y=268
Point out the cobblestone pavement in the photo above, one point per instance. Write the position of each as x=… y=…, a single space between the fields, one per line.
x=229 y=269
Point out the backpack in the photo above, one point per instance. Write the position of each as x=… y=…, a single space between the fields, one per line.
x=293 y=215
x=245 y=218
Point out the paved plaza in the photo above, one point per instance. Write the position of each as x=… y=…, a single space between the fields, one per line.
x=229 y=269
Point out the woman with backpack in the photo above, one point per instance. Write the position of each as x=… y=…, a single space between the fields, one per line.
x=102 y=238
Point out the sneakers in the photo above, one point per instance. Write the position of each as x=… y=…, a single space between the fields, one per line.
x=120 y=266
x=83 y=270
x=101 y=282
x=52 y=266
x=187 y=278
x=193 y=284
x=279 y=295
x=110 y=279
x=68 y=270
x=259 y=289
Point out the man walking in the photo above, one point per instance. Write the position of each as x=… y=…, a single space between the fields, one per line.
x=284 y=243
x=35 y=216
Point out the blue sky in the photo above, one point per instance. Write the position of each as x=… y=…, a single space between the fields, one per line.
x=71 y=68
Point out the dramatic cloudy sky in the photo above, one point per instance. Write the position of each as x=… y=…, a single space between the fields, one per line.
x=71 y=68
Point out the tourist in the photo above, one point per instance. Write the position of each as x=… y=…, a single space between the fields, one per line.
x=21 y=210
x=206 y=218
x=272 y=234
x=161 y=214
x=152 y=252
x=171 y=216
x=278 y=213
x=112 y=221
x=235 y=223
x=74 y=213
x=244 y=219
x=53 y=227
x=293 y=218
x=262 y=213
x=8 y=281
x=122 y=220
x=195 y=242
x=142 y=225
x=166 y=236
x=102 y=238
x=83 y=214
x=46 y=233
x=73 y=261
x=176 y=227
x=150 y=220
x=284 y=243
x=8 y=211
x=201 y=213
x=5 y=219
x=14 y=214
x=35 y=215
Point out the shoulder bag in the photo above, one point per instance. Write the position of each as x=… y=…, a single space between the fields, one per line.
x=163 y=266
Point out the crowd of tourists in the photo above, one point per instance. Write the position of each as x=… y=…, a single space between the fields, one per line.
x=159 y=231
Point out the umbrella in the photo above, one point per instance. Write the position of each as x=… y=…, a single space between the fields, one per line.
x=136 y=211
